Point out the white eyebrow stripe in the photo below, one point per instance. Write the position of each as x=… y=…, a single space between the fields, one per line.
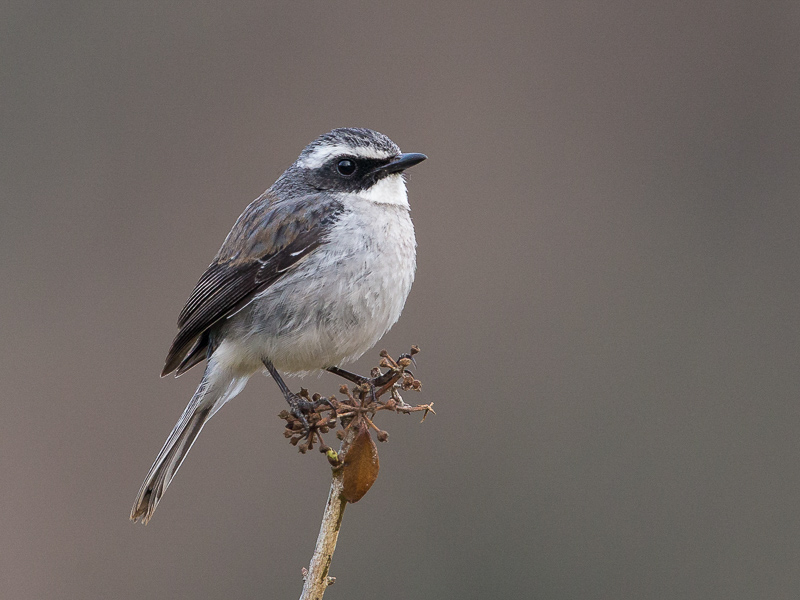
x=321 y=154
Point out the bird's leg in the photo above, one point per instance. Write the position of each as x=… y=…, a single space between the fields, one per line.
x=378 y=381
x=357 y=379
x=299 y=407
x=374 y=382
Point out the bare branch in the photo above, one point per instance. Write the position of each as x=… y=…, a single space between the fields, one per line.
x=316 y=579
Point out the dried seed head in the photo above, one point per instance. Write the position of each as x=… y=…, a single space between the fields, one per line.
x=354 y=409
x=408 y=381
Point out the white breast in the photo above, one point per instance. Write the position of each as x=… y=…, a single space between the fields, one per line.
x=340 y=301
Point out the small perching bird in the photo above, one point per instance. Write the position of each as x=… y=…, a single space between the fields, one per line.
x=311 y=276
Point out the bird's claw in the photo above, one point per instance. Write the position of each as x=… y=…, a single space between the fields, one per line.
x=301 y=409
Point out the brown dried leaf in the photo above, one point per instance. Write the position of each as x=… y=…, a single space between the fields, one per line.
x=361 y=466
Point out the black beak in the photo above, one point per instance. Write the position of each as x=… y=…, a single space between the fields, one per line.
x=403 y=162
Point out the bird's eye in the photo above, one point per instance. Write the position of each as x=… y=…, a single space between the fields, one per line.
x=346 y=167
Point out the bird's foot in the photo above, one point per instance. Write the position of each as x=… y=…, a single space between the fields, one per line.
x=379 y=382
x=299 y=408
x=308 y=418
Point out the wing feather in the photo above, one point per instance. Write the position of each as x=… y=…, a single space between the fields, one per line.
x=268 y=240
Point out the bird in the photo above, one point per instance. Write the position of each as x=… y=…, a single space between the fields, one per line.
x=313 y=273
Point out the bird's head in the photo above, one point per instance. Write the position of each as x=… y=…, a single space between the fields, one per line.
x=354 y=161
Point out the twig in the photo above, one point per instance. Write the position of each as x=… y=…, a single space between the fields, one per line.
x=316 y=577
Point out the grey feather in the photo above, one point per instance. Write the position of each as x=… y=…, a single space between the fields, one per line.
x=214 y=391
x=268 y=239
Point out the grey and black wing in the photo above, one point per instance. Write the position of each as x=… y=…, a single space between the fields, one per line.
x=264 y=245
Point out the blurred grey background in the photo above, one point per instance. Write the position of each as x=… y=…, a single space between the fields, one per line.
x=607 y=296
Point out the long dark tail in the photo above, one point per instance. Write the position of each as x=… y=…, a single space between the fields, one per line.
x=208 y=399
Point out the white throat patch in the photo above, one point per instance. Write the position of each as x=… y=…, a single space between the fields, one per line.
x=389 y=190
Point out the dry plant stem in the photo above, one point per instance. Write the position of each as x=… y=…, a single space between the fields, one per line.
x=351 y=480
x=316 y=578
